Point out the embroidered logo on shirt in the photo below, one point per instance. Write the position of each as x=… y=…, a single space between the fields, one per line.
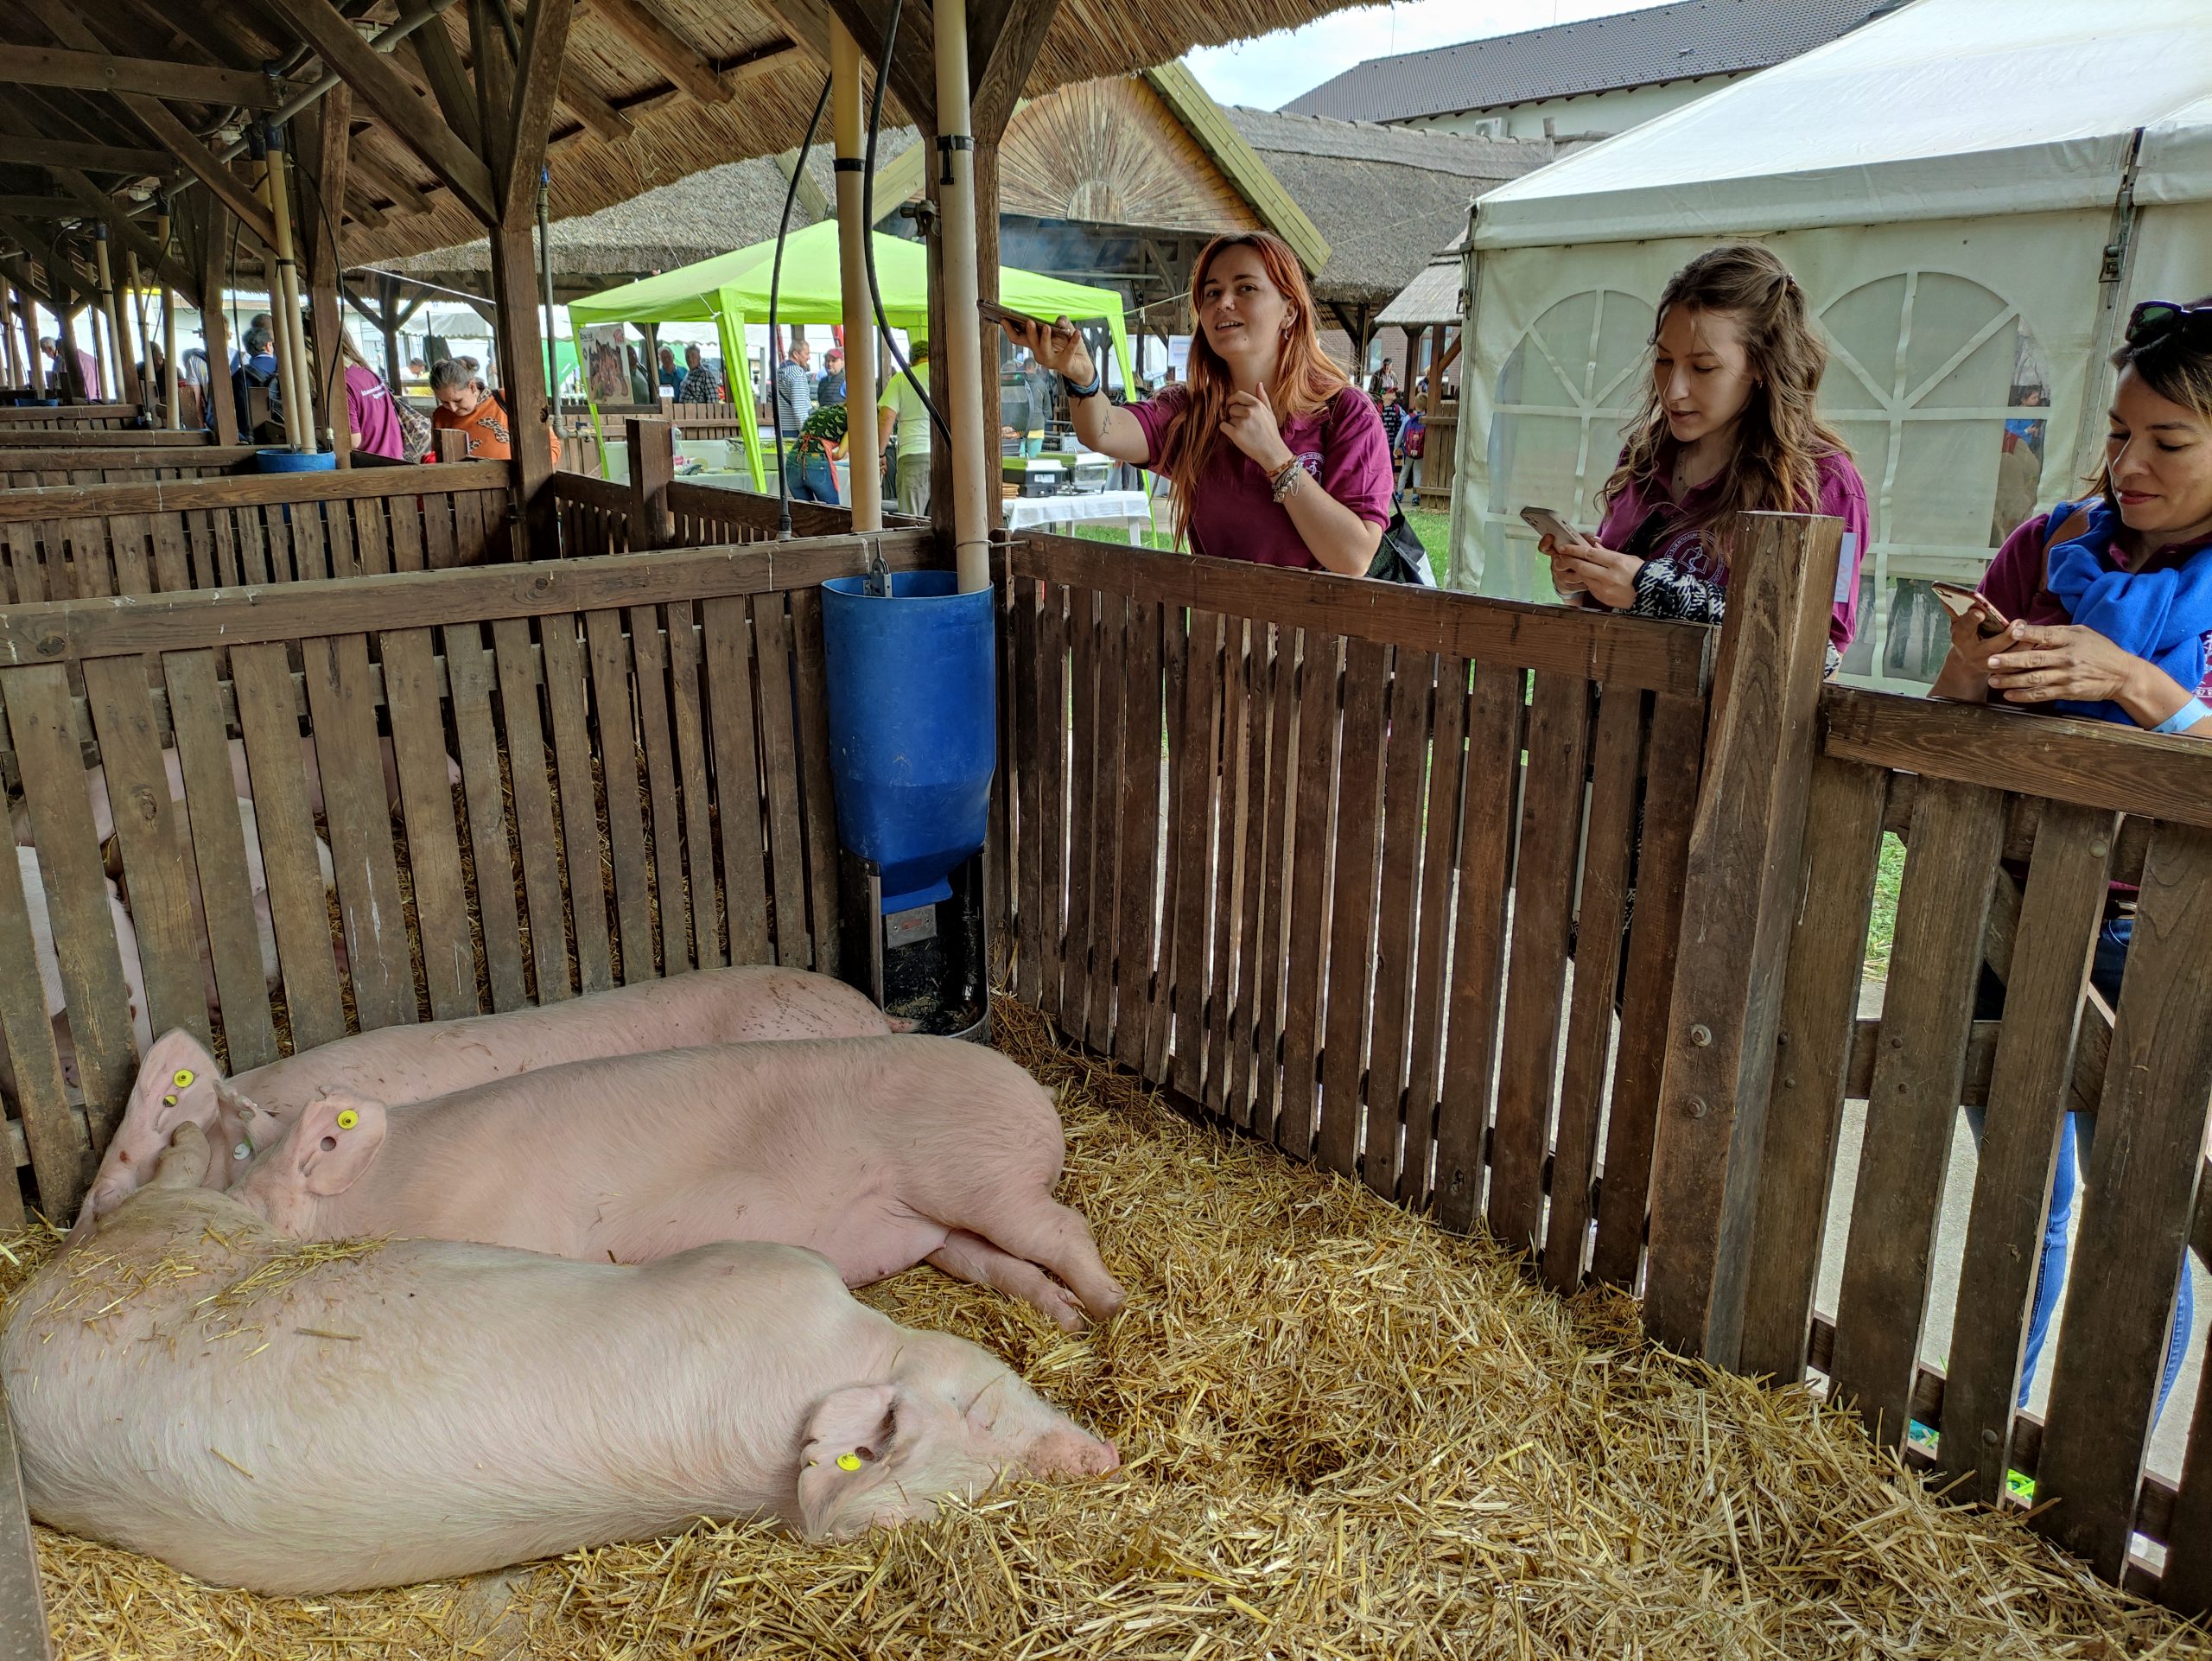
x=1311 y=460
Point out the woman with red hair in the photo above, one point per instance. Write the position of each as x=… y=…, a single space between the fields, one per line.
x=1275 y=457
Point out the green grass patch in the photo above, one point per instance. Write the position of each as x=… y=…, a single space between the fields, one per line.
x=1881 y=932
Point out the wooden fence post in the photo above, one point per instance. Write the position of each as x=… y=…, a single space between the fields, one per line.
x=653 y=465
x=1737 y=901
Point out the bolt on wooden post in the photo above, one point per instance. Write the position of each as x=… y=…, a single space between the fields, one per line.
x=1736 y=904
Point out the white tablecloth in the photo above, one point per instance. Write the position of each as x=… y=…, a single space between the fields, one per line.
x=1132 y=507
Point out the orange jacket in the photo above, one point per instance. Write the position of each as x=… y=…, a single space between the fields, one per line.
x=489 y=429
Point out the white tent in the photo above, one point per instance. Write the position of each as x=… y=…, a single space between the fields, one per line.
x=1972 y=194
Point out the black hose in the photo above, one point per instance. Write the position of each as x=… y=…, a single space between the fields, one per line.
x=775 y=342
x=867 y=225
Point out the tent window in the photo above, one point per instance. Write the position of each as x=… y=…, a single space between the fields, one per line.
x=1564 y=395
x=1938 y=385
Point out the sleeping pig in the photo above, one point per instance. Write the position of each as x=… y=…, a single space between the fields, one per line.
x=186 y=1384
x=414 y=1063
x=879 y=1153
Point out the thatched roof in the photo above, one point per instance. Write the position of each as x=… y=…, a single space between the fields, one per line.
x=733 y=205
x=1431 y=297
x=1387 y=199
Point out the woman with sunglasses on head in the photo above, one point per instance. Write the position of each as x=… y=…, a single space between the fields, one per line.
x=1275 y=457
x=2106 y=612
x=1727 y=425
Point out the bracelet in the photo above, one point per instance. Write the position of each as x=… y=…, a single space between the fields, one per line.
x=2183 y=718
x=1284 y=480
x=1097 y=379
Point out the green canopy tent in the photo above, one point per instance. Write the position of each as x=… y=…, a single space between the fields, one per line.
x=731 y=291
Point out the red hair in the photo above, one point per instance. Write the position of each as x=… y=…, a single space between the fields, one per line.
x=1305 y=380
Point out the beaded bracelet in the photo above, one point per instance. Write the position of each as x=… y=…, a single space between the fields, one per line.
x=1285 y=478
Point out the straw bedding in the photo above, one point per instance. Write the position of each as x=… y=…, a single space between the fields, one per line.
x=1344 y=1434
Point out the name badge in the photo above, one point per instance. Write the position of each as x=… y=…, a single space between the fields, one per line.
x=1847 y=567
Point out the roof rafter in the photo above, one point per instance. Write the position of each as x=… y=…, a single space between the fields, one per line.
x=660 y=44
x=93 y=70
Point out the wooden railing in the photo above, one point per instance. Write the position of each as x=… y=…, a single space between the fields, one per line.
x=111 y=417
x=1289 y=844
x=31 y=468
x=78 y=540
x=644 y=770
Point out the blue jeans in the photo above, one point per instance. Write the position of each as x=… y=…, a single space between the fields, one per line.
x=2073 y=1154
x=812 y=478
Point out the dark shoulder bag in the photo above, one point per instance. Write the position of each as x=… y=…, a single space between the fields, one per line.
x=1401 y=556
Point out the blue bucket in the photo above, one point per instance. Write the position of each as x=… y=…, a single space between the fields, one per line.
x=911 y=726
x=284 y=461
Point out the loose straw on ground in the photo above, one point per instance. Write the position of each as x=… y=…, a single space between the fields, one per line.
x=1347 y=1434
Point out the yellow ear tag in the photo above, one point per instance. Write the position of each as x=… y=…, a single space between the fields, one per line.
x=348 y=1119
x=849 y=1461
x=183 y=1077
x=169 y=1101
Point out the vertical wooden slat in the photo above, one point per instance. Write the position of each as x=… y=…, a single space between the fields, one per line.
x=1000 y=881
x=131 y=535
x=24 y=1635
x=172 y=554
x=1159 y=658
x=686 y=699
x=650 y=649
x=566 y=683
x=1078 y=986
x=1615 y=751
x=1279 y=818
x=410 y=686
x=1912 y=1106
x=1674 y=754
x=1349 y=969
x=1448 y=769
x=1234 y=802
x=341 y=699
x=1296 y=1108
x=1107 y=794
x=58 y=1146
x=538 y=838
x=471 y=533
x=314 y=556
x=371 y=547
x=2030 y=1082
x=618 y=753
x=1026 y=763
x=150 y=827
x=1819 y=1002
x=1494 y=724
x=2142 y=1180
x=469 y=673
x=737 y=777
x=405 y=531
x=817 y=804
x=438 y=553
x=1192 y=874
x=1543 y=897
x=1413 y=686
x=1253 y=799
x=1052 y=760
x=780 y=768
x=299 y=906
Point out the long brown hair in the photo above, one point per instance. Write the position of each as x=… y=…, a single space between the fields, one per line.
x=2176 y=363
x=1779 y=438
x=1305 y=379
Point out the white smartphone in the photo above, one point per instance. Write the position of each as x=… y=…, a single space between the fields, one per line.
x=1547 y=523
x=1959 y=600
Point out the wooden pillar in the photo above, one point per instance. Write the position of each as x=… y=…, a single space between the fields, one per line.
x=863 y=431
x=387 y=320
x=1738 y=899
x=118 y=369
x=34 y=360
x=653 y=465
x=324 y=130
x=72 y=372
x=209 y=221
x=8 y=337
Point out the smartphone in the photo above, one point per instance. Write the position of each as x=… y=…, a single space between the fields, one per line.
x=1959 y=600
x=1549 y=524
x=995 y=314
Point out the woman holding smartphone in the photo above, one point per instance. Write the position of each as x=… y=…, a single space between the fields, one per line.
x=1275 y=457
x=1727 y=425
x=2102 y=608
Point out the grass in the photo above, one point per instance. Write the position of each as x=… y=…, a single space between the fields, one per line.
x=1881 y=932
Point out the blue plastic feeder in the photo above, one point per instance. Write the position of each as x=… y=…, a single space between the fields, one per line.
x=288 y=460
x=912 y=745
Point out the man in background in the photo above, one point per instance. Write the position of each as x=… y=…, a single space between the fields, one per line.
x=257 y=369
x=698 y=385
x=795 y=385
x=831 y=389
x=909 y=425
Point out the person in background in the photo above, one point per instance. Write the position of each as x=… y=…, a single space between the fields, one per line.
x=908 y=425
x=671 y=377
x=1041 y=383
x=57 y=380
x=811 y=469
x=192 y=372
x=795 y=385
x=256 y=368
x=371 y=411
x=464 y=407
x=2107 y=605
x=831 y=389
x=641 y=384
x=1275 y=457
x=1413 y=439
x=698 y=383
x=1387 y=375
x=1394 y=424
x=1727 y=425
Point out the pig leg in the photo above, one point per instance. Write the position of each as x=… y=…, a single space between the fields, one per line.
x=1044 y=1232
x=971 y=1258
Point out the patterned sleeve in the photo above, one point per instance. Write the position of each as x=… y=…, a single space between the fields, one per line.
x=1668 y=591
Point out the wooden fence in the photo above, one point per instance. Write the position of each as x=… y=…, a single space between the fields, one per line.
x=28 y=469
x=643 y=749
x=72 y=541
x=1352 y=866
x=96 y=416
x=2016 y=829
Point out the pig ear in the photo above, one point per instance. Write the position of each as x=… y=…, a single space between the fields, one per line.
x=176 y=1083
x=843 y=1459
x=333 y=1141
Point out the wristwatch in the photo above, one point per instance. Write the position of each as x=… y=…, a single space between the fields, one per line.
x=1097 y=380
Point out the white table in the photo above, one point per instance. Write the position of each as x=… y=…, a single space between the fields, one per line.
x=1132 y=508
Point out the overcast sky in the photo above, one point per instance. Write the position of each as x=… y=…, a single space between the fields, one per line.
x=1272 y=70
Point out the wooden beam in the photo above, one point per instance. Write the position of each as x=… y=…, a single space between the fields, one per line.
x=409 y=116
x=326 y=132
x=42 y=207
x=1002 y=57
x=661 y=46
x=432 y=48
x=205 y=216
x=581 y=101
x=127 y=231
x=792 y=165
x=94 y=158
x=914 y=73
x=374 y=171
x=537 y=80
x=95 y=71
x=807 y=22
